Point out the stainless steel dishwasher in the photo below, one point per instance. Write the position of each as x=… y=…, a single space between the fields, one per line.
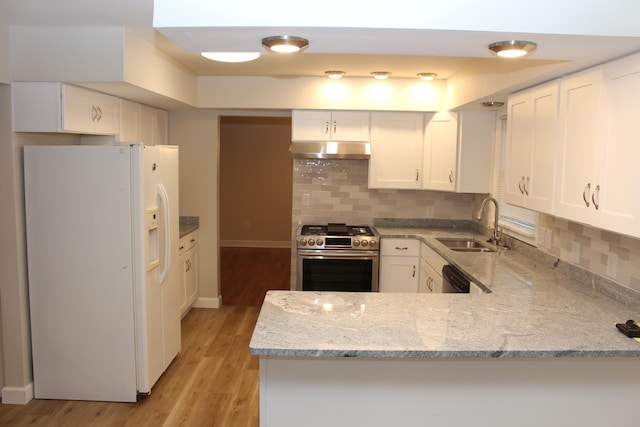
x=454 y=281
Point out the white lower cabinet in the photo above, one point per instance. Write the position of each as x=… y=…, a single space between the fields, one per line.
x=430 y=270
x=188 y=252
x=399 y=265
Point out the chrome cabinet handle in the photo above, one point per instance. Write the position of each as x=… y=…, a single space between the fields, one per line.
x=414 y=271
x=451 y=176
x=335 y=126
x=398 y=248
x=594 y=195
x=326 y=128
x=585 y=196
x=524 y=185
x=430 y=284
x=417 y=174
x=520 y=185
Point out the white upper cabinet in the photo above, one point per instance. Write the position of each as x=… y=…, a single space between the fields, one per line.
x=578 y=146
x=599 y=152
x=531 y=147
x=440 y=151
x=322 y=125
x=396 y=150
x=142 y=124
x=615 y=203
x=58 y=107
x=458 y=151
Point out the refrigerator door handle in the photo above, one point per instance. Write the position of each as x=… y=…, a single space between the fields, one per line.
x=164 y=201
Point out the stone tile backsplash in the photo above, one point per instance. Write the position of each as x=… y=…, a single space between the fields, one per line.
x=336 y=191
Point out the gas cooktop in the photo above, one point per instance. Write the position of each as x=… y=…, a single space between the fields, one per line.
x=337 y=236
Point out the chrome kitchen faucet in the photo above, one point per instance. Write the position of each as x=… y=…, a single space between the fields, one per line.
x=495 y=238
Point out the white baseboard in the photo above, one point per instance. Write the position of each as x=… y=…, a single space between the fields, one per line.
x=204 y=302
x=254 y=244
x=17 y=395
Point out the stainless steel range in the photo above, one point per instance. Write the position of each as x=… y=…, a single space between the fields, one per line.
x=337 y=257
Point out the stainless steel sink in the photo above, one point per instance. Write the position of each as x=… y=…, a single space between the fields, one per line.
x=464 y=244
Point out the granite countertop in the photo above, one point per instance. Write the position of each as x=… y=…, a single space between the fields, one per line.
x=188 y=224
x=533 y=310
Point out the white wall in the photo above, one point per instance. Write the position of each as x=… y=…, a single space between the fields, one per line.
x=5 y=70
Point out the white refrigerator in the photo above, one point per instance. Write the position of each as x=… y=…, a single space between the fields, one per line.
x=102 y=228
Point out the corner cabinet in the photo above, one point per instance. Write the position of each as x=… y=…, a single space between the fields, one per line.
x=431 y=264
x=188 y=255
x=396 y=150
x=458 y=150
x=531 y=147
x=321 y=125
x=58 y=107
x=141 y=123
x=399 y=265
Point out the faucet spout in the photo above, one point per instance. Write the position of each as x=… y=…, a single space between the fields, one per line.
x=496 y=233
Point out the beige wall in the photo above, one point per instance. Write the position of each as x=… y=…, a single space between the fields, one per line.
x=255 y=181
x=196 y=133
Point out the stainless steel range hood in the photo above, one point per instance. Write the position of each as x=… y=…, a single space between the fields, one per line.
x=331 y=150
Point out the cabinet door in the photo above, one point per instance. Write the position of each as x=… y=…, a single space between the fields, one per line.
x=310 y=125
x=615 y=201
x=129 y=121
x=191 y=280
x=440 y=145
x=85 y=111
x=399 y=274
x=519 y=147
x=531 y=148
x=539 y=192
x=349 y=126
x=578 y=142
x=396 y=150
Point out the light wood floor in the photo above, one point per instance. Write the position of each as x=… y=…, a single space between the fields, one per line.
x=212 y=382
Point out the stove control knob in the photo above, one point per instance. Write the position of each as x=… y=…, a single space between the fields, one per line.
x=364 y=243
x=303 y=242
x=372 y=243
x=312 y=242
x=356 y=243
x=319 y=242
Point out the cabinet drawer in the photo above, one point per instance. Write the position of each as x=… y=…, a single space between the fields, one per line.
x=188 y=242
x=399 y=247
x=432 y=258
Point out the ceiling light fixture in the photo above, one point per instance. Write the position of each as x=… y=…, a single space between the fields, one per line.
x=335 y=74
x=427 y=76
x=381 y=75
x=512 y=48
x=285 y=44
x=490 y=104
x=231 y=56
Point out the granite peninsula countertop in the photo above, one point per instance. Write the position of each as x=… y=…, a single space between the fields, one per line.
x=533 y=310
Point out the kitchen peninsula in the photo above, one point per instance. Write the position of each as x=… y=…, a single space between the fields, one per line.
x=540 y=349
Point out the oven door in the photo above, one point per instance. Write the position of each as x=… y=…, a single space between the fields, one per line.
x=338 y=271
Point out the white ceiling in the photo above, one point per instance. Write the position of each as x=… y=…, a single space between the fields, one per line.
x=358 y=51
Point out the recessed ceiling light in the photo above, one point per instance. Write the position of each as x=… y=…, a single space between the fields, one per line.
x=427 y=76
x=335 y=74
x=285 y=44
x=381 y=75
x=231 y=56
x=512 y=48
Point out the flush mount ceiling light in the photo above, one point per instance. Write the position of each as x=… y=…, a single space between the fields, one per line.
x=490 y=104
x=427 y=76
x=381 y=75
x=335 y=74
x=512 y=48
x=231 y=56
x=285 y=44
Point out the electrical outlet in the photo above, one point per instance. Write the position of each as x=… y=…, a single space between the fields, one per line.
x=575 y=253
x=306 y=199
x=548 y=238
x=612 y=265
x=431 y=211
